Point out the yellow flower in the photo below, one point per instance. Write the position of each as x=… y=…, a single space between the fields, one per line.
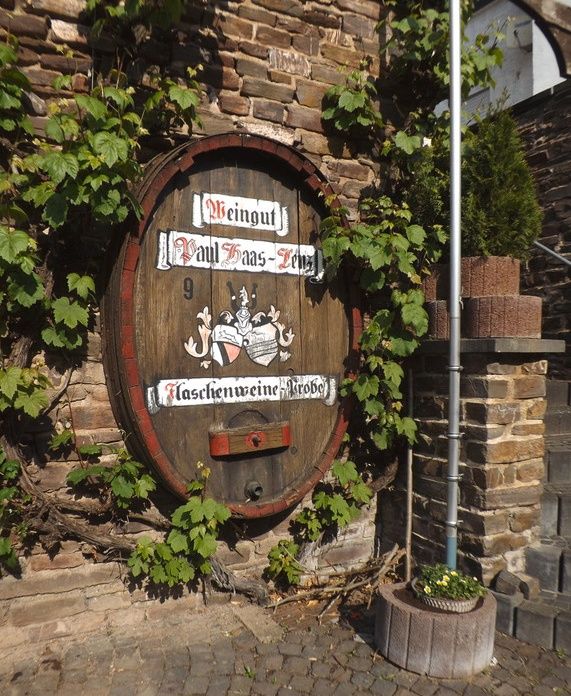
x=445 y=583
x=427 y=590
x=454 y=573
x=446 y=578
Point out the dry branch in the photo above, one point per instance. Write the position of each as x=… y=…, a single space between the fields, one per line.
x=46 y=516
x=386 y=478
x=367 y=577
x=66 y=379
x=95 y=508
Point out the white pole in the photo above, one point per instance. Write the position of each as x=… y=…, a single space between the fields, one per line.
x=454 y=366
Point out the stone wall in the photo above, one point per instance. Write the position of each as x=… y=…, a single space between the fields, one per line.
x=267 y=64
x=544 y=125
x=501 y=462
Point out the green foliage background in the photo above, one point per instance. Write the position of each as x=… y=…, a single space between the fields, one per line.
x=401 y=230
x=57 y=188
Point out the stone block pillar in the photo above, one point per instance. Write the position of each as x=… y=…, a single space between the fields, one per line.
x=501 y=461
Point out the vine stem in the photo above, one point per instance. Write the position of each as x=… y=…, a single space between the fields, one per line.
x=54 y=525
x=374 y=570
x=60 y=392
x=51 y=522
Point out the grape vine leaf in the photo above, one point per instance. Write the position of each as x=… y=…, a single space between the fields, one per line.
x=12 y=243
x=69 y=313
x=82 y=285
x=9 y=380
x=31 y=403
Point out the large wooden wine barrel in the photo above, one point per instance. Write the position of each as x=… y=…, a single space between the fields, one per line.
x=224 y=345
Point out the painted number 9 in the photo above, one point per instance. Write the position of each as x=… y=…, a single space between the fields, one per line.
x=187 y=288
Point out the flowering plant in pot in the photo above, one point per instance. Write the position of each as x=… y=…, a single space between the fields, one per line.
x=443 y=588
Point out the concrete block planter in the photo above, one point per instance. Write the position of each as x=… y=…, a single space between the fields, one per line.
x=481 y=275
x=493 y=306
x=493 y=316
x=490 y=275
x=497 y=316
x=432 y=642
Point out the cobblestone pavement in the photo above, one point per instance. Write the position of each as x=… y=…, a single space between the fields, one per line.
x=236 y=649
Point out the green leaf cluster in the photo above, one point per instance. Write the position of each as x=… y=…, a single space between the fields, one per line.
x=12 y=502
x=125 y=478
x=55 y=187
x=21 y=287
x=172 y=104
x=75 y=179
x=23 y=389
x=402 y=229
x=69 y=315
x=350 y=107
x=112 y=17
x=61 y=441
x=334 y=505
x=185 y=553
x=13 y=86
x=419 y=54
x=88 y=161
x=283 y=568
x=387 y=251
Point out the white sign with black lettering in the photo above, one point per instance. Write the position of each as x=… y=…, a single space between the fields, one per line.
x=233 y=390
x=191 y=250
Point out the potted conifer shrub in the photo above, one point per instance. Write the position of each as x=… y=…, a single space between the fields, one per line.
x=501 y=218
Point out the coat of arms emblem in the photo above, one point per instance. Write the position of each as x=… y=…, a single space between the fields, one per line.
x=262 y=336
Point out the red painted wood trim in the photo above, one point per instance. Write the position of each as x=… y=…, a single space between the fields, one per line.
x=185 y=162
x=220 y=445
x=314 y=183
x=127 y=358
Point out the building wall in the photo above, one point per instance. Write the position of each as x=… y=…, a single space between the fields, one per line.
x=502 y=404
x=529 y=64
x=267 y=65
x=544 y=124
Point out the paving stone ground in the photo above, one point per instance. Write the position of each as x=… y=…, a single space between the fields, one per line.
x=236 y=649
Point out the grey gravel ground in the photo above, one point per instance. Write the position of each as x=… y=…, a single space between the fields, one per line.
x=238 y=649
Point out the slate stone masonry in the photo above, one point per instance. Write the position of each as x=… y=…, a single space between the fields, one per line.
x=501 y=459
x=267 y=65
x=544 y=126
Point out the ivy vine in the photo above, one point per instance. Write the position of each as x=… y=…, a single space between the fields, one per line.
x=77 y=177
x=187 y=551
x=399 y=234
